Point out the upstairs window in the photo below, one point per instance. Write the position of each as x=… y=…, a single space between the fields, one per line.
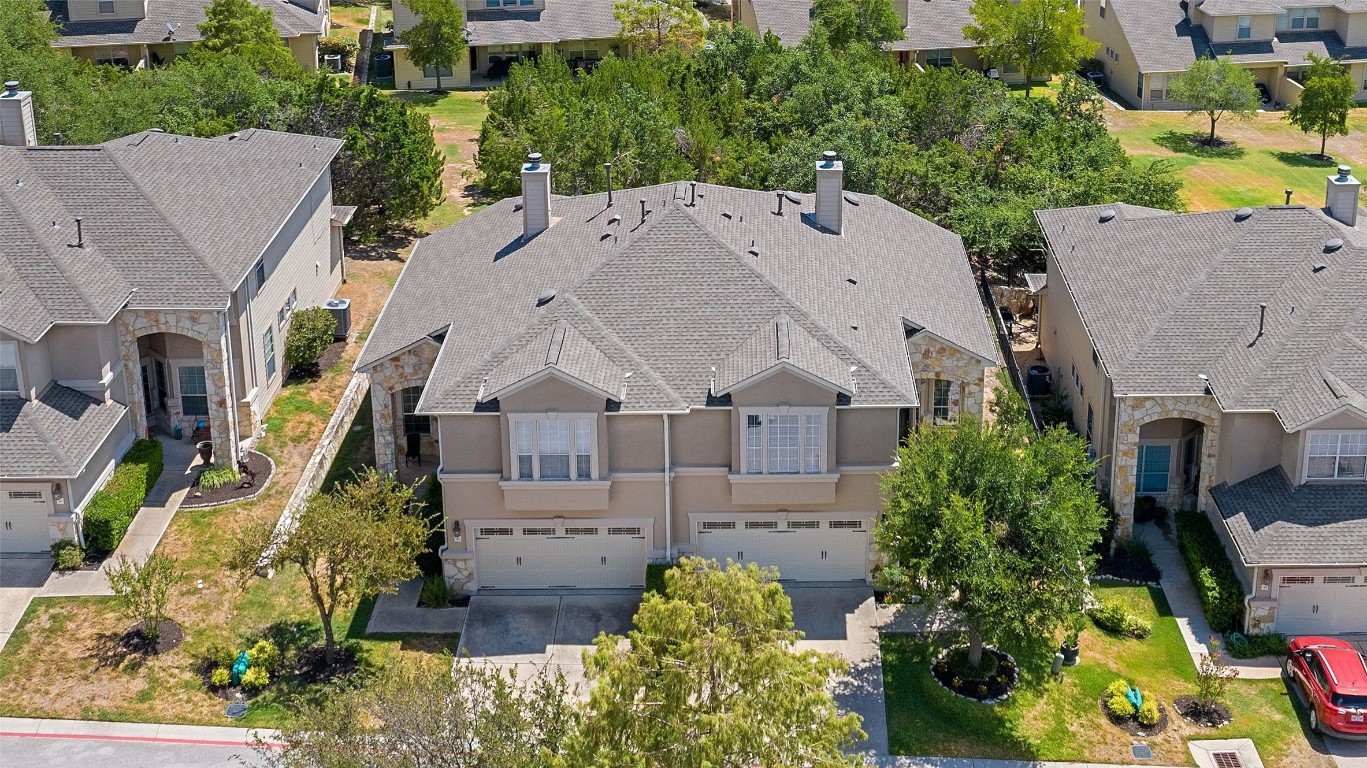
x=9 y=367
x=1298 y=18
x=561 y=448
x=784 y=441
x=1102 y=9
x=260 y=271
x=412 y=422
x=1245 y=27
x=1337 y=456
x=268 y=349
x=106 y=6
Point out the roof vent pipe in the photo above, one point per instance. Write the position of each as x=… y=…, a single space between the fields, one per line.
x=1288 y=196
x=1341 y=196
x=692 y=194
x=780 y=202
x=643 y=210
x=80 y=236
x=1262 y=316
x=536 y=196
x=607 y=169
x=830 y=188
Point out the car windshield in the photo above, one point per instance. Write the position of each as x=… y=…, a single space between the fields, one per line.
x=1348 y=702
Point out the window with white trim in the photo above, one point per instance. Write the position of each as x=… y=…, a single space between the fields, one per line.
x=1337 y=456
x=940 y=58
x=106 y=6
x=1298 y=18
x=941 y=409
x=9 y=366
x=412 y=421
x=559 y=448
x=430 y=70
x=784 y=441
x=268 y=349
x=1245 y=29
x=194 y=395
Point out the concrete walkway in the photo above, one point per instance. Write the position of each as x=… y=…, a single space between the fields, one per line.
x=147 y=732
x=399 y=614
x=1186 y=606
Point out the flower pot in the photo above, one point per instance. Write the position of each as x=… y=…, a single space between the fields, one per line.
x=1070 y=654
x=206 y=451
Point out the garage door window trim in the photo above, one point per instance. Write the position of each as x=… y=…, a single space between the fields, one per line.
x=784 y=441
x=558 y=449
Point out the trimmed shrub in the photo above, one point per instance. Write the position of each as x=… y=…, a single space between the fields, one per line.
x=1268 y=644
x=429 y=560
x=309 y=336
x=1148 y=713
x=1118 y=688
x=1114 y=617
x=255 y=679
x=435 y=592
x=219 y=655
x=218 y=477
x=1119 y=706
x=221 y=677
x=111 y=509
x=655 y=576
x=67 y=555
x=264 y=655
x=1216 y=584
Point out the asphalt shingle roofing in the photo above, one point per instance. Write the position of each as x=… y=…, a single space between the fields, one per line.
x=687 y=290
x=931 y=24
x=1166 y=297
x=55 y=435
x=167 y=221
x=1159 y=34
x=560 y=20
x=1313 y=524
x=184 y=15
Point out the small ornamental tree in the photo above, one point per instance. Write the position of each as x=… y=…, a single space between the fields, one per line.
x=873 y=22
x=358 y=541
x=1214 y=87
x=993 y=523
x=245 y=29
x=309 y=336
x=1326 y=101
x=438 y=39
x=1038 y=37
x=143 y=591
x=709 y=676
x=650 y=26
x=1213 y=677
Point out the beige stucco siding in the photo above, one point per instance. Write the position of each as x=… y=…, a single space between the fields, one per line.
x=1253 y=444
x=637 y=442
x=475 y=444
x=701 y=439
x=866 y=436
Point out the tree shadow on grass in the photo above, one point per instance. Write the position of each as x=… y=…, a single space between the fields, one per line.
x=1193 y=143
x=1304 y=159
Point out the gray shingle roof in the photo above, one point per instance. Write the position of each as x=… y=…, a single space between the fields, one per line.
x=1166 y=297
x=1313 y=524
x=931 y=24
x=1293 y=48
x=174 y=221
x=1237 y=7
x=185 y=15
x=670 y=298
x=55 y=435
x=1159 y=34
x=560 y=20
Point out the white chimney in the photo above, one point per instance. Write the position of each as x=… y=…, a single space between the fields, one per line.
x=16 y=117
x=830 y=188
x=536 y=196
x=1341 y=196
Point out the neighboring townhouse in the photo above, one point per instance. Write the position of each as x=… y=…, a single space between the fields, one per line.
x=1219 y=361
x=1146 y=43
x=934 y=31
x=503 y=32
x=683 y=368
x=149 y=33
x=146 y=285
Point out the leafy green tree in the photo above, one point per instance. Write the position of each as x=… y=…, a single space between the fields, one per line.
x=1214 y=87
x=66 y=90
x=466 y=715
x=245 y=29
x=1038 y=37
x=651 y=26
x=358 y=541
x=871 y=22
x=1326 y=101
x=438 y=39
x=709 y=676
x=143 y=591
x=993 y=523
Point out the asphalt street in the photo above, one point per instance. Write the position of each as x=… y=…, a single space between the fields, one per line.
x=63 y=752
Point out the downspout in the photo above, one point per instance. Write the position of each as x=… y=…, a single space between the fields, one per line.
x=232 y=394
x=669 y=519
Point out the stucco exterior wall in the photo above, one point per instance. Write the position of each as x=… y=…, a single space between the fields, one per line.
x=1253 y=444
x=304 y=48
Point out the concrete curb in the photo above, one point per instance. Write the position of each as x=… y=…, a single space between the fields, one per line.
x=208 y=735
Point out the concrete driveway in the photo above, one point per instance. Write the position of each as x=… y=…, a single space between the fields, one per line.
x=528 y=632
x=21 y=576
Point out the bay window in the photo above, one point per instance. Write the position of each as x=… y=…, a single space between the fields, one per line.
x=1337 y=456
x=784 y=441
x=558 y=448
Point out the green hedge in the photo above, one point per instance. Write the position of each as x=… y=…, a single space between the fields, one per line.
x=1216 y=583
x=429 y=560
x=111 y=509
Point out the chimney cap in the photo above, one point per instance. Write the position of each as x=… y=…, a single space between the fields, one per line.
x=828 y=157
x=533 y=158
x=1344 y=170
x=11 y=85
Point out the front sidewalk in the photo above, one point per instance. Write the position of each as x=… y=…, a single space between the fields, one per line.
x=157 y=733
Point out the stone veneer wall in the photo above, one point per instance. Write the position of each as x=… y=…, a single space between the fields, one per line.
x=932 y=358
x=205 y=326
x=409 y=368
x=1133 y=413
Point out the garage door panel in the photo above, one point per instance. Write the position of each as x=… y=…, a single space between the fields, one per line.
x=801 y=550
x=23 y=520
x=584 y=555
x=1327 y=605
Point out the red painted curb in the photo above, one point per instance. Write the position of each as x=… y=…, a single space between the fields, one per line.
x=142 y=739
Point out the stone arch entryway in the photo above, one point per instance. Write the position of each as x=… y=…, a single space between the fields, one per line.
x=165 y=338
x=388 y=379
x=1184 y=430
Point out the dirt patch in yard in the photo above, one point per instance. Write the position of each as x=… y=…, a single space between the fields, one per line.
x=459 y=142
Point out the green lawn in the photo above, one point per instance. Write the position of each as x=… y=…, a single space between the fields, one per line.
x=1268 y=155
x=456 y=117
x=1061 y=720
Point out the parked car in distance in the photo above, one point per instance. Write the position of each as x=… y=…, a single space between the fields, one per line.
x=1332 y=676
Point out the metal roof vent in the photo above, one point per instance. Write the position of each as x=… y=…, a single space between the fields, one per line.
x=606 y=234
x=793 y=198
x=546 y=297
x=1107 y=215
x=851 y=198
x=1333 y=244
x=753 y=251
x=1243 y=213
x=726 y=214
x=1318 y=268
x=851 y=281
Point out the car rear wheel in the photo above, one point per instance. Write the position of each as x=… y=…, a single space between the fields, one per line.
x=1291 y=668
x=1314 y=721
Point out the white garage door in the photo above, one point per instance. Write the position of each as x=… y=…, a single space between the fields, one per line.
x=802 y=550
x=536 y=554
x=1321 y=605
x=23 y=521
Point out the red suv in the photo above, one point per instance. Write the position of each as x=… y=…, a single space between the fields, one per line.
x=1333 y=677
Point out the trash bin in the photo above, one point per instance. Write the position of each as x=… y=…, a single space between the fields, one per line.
x=177 y=432
x=384 y=65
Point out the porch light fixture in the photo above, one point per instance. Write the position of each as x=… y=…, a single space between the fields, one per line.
x=552 y=413
x=58 y=496
x=783 y=409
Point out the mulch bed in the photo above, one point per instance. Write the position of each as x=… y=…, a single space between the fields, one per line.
x=1131 y=726
x=993 y=688
x=259 y=472
x=329 y=358
x=311 y=665
x=1213 y=717
x=1140 y=571
x=169 y=637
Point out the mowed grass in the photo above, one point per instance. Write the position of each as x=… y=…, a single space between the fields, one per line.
x=1267 y=156
x=456 y=117
x=1049 y=719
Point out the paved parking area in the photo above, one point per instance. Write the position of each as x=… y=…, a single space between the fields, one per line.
x=21 y=576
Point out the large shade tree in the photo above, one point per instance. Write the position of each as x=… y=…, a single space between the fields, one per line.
x=438 y=39
x=1215 y=87
x=651 y=26
x=872 y=22
x=1326 y=100
x=247 y=30
x=1038 y=37
x=993 y=523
